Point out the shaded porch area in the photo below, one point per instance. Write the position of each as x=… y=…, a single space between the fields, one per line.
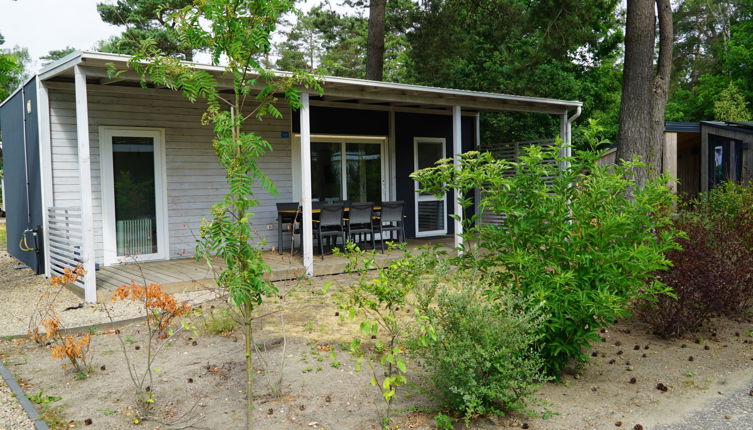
x=187 y=274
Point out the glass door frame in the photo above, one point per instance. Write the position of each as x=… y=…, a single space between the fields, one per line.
x=428 y=198
x=343 y=140
x=109 y=239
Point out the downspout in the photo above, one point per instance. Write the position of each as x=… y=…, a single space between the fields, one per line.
x=570 y=130
x=28 y=240
x=26 y=158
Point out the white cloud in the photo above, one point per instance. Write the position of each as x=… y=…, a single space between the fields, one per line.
x=44 y=25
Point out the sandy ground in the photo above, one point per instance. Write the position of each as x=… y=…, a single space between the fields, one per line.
x=22 y=294
x=202 y=375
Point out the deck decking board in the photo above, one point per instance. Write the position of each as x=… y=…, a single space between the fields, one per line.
x=188 y=273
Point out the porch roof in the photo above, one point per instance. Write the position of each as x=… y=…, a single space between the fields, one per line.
x=338 y=91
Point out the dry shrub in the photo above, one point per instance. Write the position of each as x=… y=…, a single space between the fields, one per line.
x=71 y=347
x=161 y=308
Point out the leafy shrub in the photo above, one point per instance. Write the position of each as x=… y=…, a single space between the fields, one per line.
x=478 y=356
x=220 y=321
x=570 y=238
x=376 y=301
x=711 y=275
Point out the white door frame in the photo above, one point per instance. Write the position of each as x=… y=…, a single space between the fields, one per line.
x=428 y=198
x=106 y=134
x=343 y=140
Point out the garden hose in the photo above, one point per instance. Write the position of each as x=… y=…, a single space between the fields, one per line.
x=23 y=244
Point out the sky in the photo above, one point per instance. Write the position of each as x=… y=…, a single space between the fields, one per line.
x=44 y=25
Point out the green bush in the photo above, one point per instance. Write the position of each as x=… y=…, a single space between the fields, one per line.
x=478 y=356
x=570 y=241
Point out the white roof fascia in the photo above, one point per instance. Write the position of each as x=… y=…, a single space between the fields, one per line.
x=55 y=68
x=81 y=56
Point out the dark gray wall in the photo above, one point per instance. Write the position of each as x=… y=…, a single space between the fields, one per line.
x=23 y=205
x=408 y=126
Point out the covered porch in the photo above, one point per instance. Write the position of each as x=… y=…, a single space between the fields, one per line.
x=359 y=142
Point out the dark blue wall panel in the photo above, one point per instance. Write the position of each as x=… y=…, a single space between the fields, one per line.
x=344 y=121
x=409 y=126
x=23 y=205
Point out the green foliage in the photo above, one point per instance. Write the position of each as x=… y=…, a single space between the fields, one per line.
x=220 y=321
x=479 y=355
x=328 y=40
x=145 y=20
x=377 y=301
x=713 y=50
x=443 y=422
x=236 y=32
x=536 y=48
x=571 y=241
x=41 y=398
x=13 y=63
x=731 y=105
x=56 y=54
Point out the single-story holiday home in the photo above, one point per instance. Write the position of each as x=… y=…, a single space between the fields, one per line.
x=92 y=162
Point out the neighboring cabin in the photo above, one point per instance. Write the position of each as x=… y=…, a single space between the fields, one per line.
x=701 y=155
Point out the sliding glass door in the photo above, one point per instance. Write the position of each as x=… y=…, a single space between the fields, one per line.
x=348 y=168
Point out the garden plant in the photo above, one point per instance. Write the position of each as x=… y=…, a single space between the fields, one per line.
x=580 y=243
x=237 y=32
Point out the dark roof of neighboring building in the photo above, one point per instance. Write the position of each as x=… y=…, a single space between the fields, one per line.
x=742 y=127
x=682 y=127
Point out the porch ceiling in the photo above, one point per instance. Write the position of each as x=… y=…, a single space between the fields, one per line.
x=338 y=91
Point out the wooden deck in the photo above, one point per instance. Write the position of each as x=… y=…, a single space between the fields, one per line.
x=187 y=274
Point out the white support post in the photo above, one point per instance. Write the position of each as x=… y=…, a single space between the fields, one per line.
x=45 y=160
x=477 y=147
x=457 y=149
x=307 y=234
x=392 y=155
x=565 y=130
x=85 y=185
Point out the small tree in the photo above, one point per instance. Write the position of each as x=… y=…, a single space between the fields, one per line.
x=236 y=32
x=731 y=105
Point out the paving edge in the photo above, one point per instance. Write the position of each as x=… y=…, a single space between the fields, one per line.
x=26 y=404
x=84 y=328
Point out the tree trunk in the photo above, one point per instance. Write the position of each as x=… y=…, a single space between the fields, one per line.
x=644 y=92
x=375 y=43
x=635 y=134
x=663 y=72
x=247 y=320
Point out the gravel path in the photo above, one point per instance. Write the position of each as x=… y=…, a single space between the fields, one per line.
x=732 y=410
x=12 y=415
x=23 y=295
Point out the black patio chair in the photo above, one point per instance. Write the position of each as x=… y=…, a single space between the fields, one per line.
x=287 y=222
x=360 y=221
x=329 y=225
x=392 y=219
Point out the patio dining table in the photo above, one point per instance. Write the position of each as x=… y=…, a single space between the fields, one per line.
x=317 y=210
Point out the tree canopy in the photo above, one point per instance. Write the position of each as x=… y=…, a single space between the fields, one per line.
x=13 y=63
x=714 y=40
x=144 y=19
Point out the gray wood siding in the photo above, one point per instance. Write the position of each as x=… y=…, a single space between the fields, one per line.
x=195 y=180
